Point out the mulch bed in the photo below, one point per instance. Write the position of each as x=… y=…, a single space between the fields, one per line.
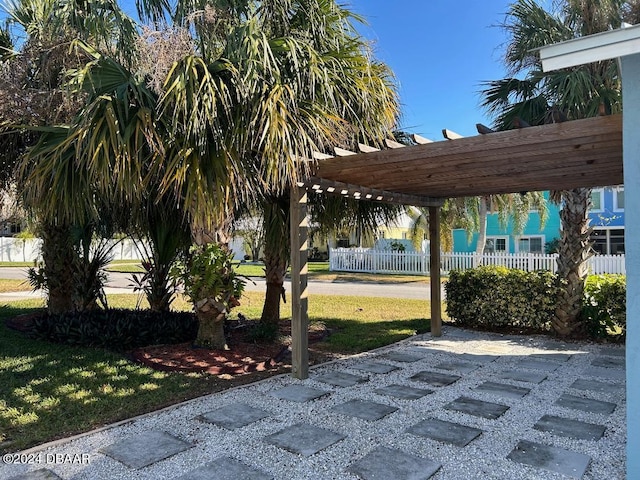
x=244 y=355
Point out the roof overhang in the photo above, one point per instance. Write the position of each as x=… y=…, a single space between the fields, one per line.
x=560 y=156
x=593 y=48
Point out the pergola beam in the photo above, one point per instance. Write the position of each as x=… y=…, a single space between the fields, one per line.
x=322 y=185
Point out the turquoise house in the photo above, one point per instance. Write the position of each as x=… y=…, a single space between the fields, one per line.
x=606 y=219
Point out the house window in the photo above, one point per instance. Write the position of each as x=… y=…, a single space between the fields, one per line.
x=531 y=244
x=404 y=235
x=496 y=245
x=608 y=241
x=597 y=200
x=342 y=243
x=618 y=199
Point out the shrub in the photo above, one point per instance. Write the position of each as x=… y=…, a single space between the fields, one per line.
x=604 y=311
x=494 y=297
x=117 y=329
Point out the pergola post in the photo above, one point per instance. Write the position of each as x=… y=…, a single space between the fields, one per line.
x=299 y=294
x=434 y=273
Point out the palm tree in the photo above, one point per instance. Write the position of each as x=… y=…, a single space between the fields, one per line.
x=470 y=213
x=540 y=97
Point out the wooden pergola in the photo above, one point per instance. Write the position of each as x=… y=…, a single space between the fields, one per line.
x=559 y=156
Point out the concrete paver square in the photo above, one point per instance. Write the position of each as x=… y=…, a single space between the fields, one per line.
x=386 y=463
x=604 y=372
x=585 y=404
x=403 y=392
x=549 y=458
x=40 y=474
x=554 y=357
x=145 y=449
x=519 y=376
x=435 y=379
x=340 y=379
x=402 y=357
x=503 y=390
x=595 y=386
x=364 y=409
x=446 y=432
x=304 y=439
x=533 y=364
x=299 y=393
x=226 y=468
x=477 y=408
x=456 y=366
x=565 y=427
x=375 y=367
x=482 y=358
x=608 y=362
x=613 y=352
x=234 y=416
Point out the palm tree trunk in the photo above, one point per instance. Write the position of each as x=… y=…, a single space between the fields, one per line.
x=276 y=255
x=574 y=251
x=58 y=256
x=211 y=316
x=482 y=229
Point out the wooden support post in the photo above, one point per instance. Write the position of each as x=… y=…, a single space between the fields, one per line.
x=434 y=280
x=299 y=294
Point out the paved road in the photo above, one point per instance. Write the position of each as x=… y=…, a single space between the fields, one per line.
x=119 y=281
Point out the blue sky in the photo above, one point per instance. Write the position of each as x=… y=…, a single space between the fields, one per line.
x=440 y=52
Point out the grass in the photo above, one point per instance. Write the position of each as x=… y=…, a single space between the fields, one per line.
x=14 y=285
x=49 y=391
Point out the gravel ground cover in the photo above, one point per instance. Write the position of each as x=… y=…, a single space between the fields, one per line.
x=567 y=368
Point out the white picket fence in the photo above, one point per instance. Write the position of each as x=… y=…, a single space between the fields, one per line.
x=28 y=250
x=368 y=260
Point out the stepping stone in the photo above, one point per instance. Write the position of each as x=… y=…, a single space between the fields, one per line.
x=403 y=392
x=566 y=427
x=226 y=468
x=145 y=449
x=555 y=357
x=585 y=404
x=534 y=364
x=387 y=463
x=595 y=386
x=375 y=367
x=613 y=352
x=529 y=377
x=340 y=379
x=403 y=357
x=364 y=409
x=435 y=379
x=554 y=459
x=603 y=372
x=304 y=439
x=457 y=366
x=234 y=416
x=477 y=408
x=503 y=390
x=483 y=359
x=41 y=474
x=445 y=432
x=298 y=393
x=609 y=362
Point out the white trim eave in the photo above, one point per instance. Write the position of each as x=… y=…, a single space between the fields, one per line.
x=593 y=48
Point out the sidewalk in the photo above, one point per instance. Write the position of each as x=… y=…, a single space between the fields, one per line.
x=466 y=405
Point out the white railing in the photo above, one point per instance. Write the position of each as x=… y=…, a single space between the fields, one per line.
x=417 y=263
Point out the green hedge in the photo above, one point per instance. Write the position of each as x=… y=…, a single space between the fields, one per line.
x=604 y=311
x=499 y=297
x=117 y=329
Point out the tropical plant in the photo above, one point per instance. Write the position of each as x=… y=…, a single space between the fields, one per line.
x=541 y=97
x=213 y=286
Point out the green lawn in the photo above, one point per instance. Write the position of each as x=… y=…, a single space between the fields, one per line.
x=49 y=391
x=13 y=285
